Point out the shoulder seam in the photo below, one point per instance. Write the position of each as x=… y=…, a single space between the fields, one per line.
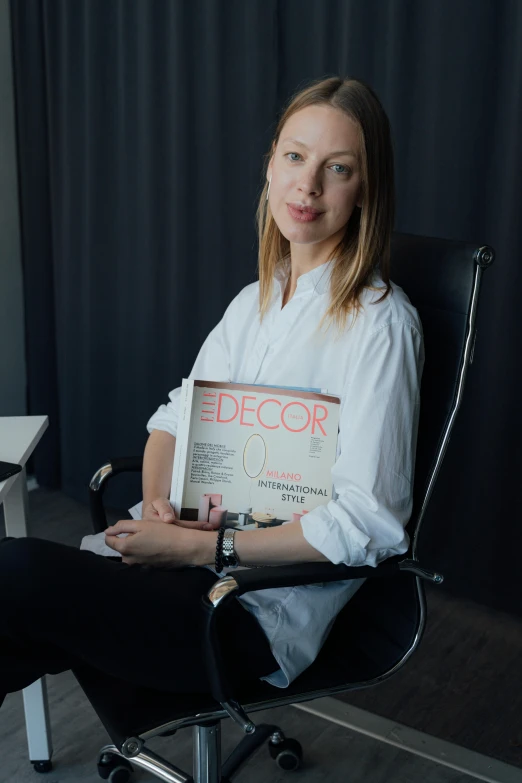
x=397 y=321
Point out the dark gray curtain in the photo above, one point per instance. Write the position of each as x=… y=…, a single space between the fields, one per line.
x=142 y=127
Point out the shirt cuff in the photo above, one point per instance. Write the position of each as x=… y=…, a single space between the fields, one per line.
x=340 y=543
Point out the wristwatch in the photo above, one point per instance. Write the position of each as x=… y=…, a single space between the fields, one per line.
x=229 y=557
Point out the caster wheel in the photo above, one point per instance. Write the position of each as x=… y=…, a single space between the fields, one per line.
x=115 y=769
x=287 y=754
x=42 y=766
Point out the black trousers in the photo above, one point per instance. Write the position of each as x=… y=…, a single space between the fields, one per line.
x=61 y=607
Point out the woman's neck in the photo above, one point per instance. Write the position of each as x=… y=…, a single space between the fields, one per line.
x=296 y=270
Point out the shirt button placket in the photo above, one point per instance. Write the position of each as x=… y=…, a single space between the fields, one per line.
x=260 y=353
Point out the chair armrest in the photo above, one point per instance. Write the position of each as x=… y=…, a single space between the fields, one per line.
x=98 y=484
x=304 y=574
x=312 y=573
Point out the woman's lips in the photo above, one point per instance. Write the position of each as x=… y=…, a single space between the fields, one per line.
x=303 y=217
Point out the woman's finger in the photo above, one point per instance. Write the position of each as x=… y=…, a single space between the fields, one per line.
x=112 y=542
x=124 y=526
x=195 y=525
x=211 y=525
x=164 y=509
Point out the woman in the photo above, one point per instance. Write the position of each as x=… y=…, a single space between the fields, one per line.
x=323 y=314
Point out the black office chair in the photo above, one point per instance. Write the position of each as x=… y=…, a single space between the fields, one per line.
x=386 y=617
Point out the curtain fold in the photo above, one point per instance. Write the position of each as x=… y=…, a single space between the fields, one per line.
x=141 y=131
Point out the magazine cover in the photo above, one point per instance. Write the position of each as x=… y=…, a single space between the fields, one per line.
x=250 y=455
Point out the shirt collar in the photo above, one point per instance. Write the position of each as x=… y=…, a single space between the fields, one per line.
x=318 y=279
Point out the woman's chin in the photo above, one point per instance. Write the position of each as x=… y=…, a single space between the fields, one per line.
x=299 y=232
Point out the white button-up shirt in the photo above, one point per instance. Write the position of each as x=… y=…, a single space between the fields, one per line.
x=375 y=368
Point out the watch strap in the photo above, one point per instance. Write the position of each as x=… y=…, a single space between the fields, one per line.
x=218 y=563
x=229 y=556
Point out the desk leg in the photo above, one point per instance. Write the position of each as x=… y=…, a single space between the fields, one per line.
x=16 y=507
x=35 y=696
x=37 y=723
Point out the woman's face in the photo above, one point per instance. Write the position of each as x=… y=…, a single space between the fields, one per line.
x=323 y=171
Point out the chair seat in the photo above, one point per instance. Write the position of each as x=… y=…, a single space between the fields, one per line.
x=370 y=636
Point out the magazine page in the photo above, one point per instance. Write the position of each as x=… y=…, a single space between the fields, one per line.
x=256 y=455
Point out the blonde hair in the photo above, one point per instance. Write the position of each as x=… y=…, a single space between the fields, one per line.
x=366 y=241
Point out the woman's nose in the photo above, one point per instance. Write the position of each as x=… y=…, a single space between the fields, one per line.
x=310 y=184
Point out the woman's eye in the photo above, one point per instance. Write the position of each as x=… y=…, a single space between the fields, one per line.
x=346 y=171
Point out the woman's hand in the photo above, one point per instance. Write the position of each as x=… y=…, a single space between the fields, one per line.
x=160 y=545
x=158 y=510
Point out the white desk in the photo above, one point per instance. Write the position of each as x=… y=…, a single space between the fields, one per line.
x=19 y=436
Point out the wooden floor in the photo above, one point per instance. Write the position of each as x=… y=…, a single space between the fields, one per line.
x=462 y=685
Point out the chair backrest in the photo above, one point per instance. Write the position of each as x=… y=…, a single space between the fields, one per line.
x=442 y=279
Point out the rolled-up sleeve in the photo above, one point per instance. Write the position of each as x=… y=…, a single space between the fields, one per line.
x=373 y=474
x=212 y=364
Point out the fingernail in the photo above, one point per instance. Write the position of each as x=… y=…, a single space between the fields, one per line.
x=168 y=516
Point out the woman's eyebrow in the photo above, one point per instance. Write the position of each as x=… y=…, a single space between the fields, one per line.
x=338 y=152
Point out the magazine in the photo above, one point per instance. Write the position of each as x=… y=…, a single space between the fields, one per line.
x=250 y=455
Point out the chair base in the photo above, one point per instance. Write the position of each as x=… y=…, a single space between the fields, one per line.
x=153 y=763
x=207 y=755
x=248 y=745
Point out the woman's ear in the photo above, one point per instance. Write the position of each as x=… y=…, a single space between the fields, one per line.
x=269 y=167
x=269 y=170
